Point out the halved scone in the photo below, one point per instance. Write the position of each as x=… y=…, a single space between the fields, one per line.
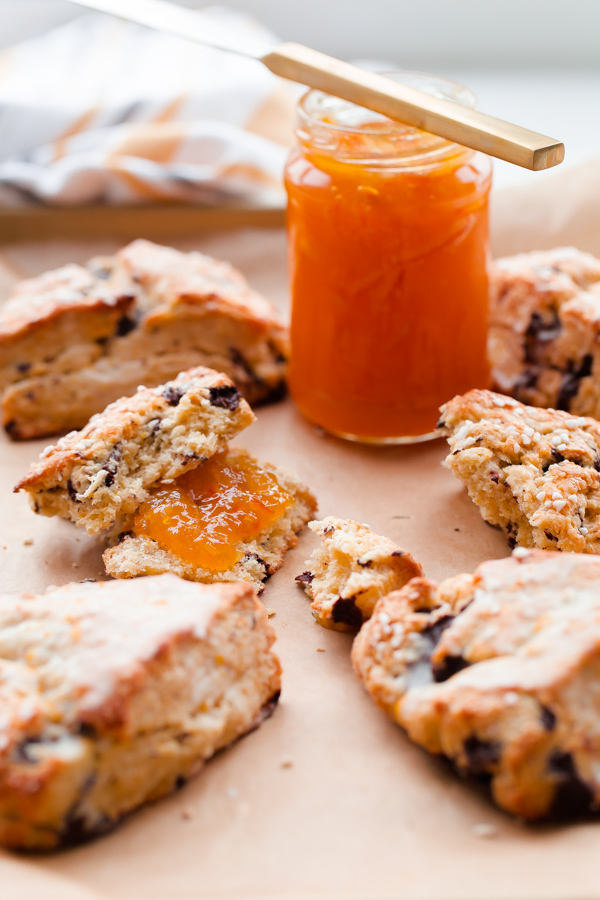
x=155 y=470
x=230 y=519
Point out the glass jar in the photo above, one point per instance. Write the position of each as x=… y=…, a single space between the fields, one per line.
x=388 y=243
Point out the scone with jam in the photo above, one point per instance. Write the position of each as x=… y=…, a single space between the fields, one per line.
x=544 y=340
x=532 y=472
x=75 y=339
x=115 y=693
x=499 y=672
x=351 y=570
x=157 y=471
x=230 y=519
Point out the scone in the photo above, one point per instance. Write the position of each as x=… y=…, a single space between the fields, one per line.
x=102 y=473
x=532 y=472
x=232 y=518
x=74 y=340
x=352 y=569
x=544 y=340
x=156 y=473
x=499 y=672
x=114 y=694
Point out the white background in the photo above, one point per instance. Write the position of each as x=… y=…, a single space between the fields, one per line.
x=536 y=62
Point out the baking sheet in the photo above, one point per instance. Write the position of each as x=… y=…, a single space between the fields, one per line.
x=328 y=799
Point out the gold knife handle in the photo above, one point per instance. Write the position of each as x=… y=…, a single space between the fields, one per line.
x=398 y=101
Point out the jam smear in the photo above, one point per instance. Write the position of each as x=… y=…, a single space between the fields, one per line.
x=203 y=515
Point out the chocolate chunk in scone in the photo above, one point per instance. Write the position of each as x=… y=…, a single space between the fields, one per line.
x=115 y=693
x=99 y=475
x=532 y=472
x=500 y=673
x=78 y=338
x=351 y=570
x=544 y=340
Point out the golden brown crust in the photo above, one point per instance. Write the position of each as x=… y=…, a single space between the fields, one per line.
x=113 y=693
x=103 y=472
x=499 y=672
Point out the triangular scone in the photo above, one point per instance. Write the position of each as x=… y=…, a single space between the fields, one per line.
x=113 y=694
x=352 y=569
x=248 y=558
x=102 y=473
x=76 y=339
x=533 y=472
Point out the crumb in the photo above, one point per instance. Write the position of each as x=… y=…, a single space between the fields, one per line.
x=270 y=612
x=28 y=542
x=187 y=813
x=485 y=830
x=401 y=517
x=287 y=763
x=320 y=649
x=75 y=565
x=457 y=529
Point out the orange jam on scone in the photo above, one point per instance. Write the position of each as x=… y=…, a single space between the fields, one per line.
x=204 y=515
x=388 y=238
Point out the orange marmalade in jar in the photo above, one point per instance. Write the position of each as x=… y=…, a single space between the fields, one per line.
x=388 y=240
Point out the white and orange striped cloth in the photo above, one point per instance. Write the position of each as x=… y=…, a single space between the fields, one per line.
x=103 y=111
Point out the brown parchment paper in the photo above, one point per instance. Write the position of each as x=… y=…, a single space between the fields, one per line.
x=328 y=799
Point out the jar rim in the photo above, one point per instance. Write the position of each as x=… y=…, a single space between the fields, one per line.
x=447 y=89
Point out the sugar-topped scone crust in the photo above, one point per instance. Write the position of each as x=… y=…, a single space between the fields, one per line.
x=102 y=473
x=499 y=672
x=544 y=339
x=351 y=570
x=135 y=555
x=114 y=693
x=533 y=472
x=78 y=338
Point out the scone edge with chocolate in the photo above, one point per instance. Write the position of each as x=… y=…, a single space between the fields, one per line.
x=351 y=570
x=543 y=340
